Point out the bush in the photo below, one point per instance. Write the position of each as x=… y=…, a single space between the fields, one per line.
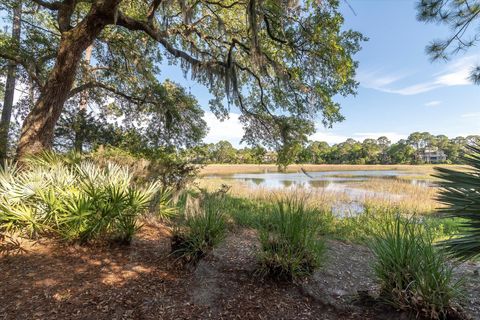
x=203 y=227
x=290 y=246
x=413 y=275
x=78 y=201
x=163 y=204
x=171 y=167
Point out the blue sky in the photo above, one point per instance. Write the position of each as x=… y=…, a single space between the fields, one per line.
x=401 y=90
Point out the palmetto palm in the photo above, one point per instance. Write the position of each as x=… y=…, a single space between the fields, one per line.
x=78 y=200
x=460 y=191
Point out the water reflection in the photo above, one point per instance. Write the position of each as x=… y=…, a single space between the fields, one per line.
x=422 y=183
x=340 y=182
x=276 y=180
x=257 y=181
x=318 y=183
x=288 y=183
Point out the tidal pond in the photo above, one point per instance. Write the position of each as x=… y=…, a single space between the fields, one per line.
x=346 y=183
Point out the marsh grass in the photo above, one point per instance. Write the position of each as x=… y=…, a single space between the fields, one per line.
x=386 y=193
x=290 y=246
x=247 y=207
x=238 y=189
x=416 y=197
x=414 y=276
x=228 y=169
x=402 y=192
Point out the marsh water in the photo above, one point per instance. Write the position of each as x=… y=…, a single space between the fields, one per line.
x=346 y=183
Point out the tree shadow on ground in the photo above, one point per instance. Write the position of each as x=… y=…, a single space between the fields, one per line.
x=141 y=281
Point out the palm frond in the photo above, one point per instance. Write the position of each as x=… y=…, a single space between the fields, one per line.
x=460 y=192
x=78 y=200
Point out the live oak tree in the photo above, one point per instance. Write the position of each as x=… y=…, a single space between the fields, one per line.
x=175 y=120
x=463 y=19
x=166 y=113
x=278 y=62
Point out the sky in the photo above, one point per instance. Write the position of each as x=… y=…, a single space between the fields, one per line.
x=401 y=91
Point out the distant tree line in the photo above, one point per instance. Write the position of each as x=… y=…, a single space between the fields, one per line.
x=151 y=144
x=371 y=151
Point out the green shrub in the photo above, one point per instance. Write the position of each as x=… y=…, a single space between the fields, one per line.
x=202 y=228
x=163 y=203
x=290 y=245
x=168 y=165
x=78 y=201
x=50 y=158
x=413 y=275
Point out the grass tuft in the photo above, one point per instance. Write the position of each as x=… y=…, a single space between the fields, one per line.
x=290 y=245
x=203 y=227
x=413 y=275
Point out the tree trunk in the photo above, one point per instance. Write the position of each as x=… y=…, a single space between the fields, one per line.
x=38 y=127
x=10 y=86
x=80 y=121
x=79 y=130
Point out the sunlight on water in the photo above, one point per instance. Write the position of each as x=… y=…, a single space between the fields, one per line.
x=345 y=183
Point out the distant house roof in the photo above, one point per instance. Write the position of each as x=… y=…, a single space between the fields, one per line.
x=433 y=155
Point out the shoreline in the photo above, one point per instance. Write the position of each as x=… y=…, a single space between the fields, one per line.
x=227 y=169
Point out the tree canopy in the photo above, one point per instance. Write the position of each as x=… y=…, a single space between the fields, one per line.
x=462 y=17
x=279 y=62
x=370 y=151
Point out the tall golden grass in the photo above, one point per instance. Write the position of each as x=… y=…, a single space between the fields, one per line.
x=402 y=192
x=387 y=193
x=240 y=189
x=228 y=169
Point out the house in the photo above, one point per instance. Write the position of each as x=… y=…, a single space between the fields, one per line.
x=433 y=156
x=269 y=157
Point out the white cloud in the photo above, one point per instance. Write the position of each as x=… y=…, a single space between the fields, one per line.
x=471 y=115
x=328 y=137
x=230 y=129
x=454 y=74
x=458 y=72
x=415 y=89
x=378 y=80
x=392 y=136
x=433 y=103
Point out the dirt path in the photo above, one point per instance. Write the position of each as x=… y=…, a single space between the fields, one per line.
x=227 y=279
x=346 y=272
x=225 y=282
x=53 y=281
x=471 y=300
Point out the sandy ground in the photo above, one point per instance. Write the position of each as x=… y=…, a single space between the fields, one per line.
x=56 y=281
